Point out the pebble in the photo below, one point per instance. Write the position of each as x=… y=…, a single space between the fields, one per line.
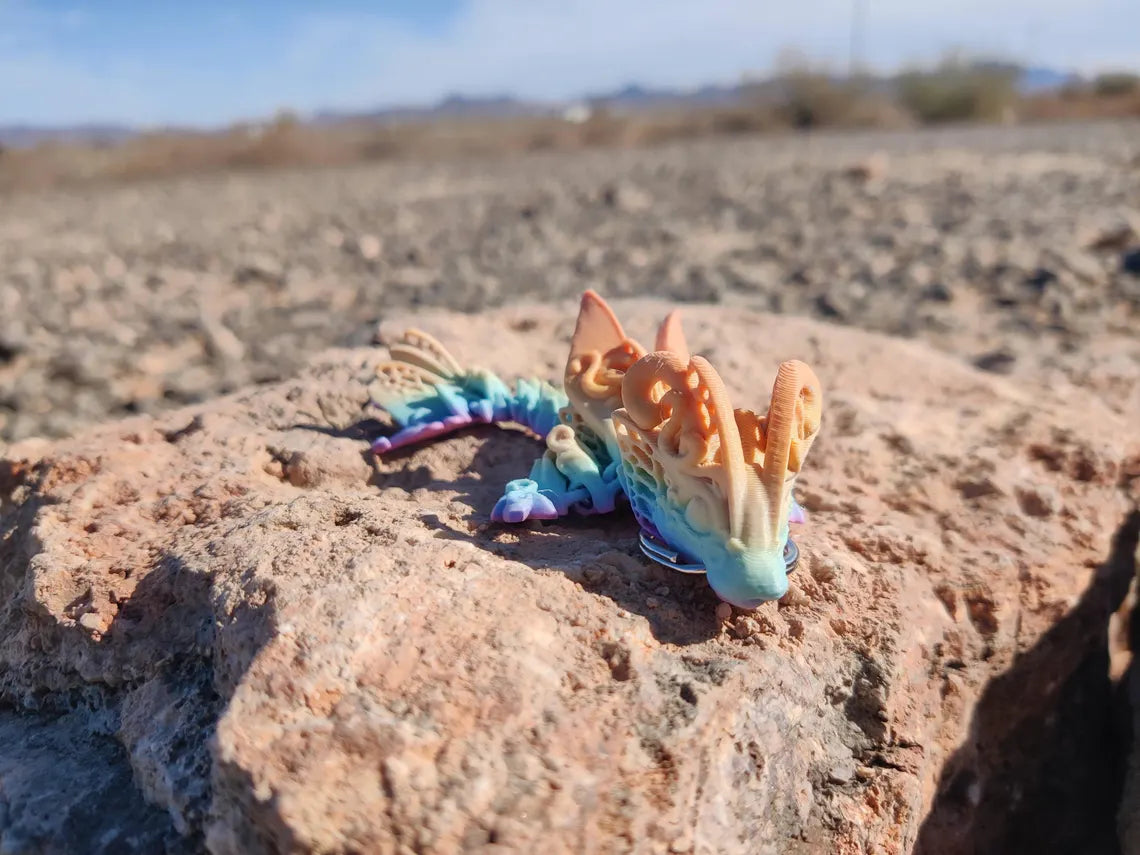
x=369 y=247
x=841 y=773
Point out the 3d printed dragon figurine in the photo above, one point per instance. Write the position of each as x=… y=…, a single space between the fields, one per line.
x=710 y=486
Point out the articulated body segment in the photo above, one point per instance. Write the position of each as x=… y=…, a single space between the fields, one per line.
x=428 y=395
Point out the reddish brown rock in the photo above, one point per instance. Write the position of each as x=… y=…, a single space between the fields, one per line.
x=301 y=649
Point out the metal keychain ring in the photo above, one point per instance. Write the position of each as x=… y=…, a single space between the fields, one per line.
x=667 y=556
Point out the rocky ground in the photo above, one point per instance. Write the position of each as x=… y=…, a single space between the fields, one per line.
x=1006 y=246
x=269 y=641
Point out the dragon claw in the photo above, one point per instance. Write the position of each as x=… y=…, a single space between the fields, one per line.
x=797 y=514
x=523 y=501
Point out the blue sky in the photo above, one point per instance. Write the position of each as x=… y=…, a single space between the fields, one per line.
x=208 y=62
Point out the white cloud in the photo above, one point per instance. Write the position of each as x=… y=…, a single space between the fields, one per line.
x=535 y=48
x=543 y=48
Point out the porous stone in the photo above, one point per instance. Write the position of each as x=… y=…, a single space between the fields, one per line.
x=299 y=648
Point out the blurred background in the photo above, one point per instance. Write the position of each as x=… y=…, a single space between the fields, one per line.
x=123 y=89
x=198 y=197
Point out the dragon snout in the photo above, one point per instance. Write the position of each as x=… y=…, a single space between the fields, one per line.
x=749 y=579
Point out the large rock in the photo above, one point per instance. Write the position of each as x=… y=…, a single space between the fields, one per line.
x=1128 y=819
x=298 y=648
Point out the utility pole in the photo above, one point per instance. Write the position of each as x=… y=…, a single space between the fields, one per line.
x=858 y=18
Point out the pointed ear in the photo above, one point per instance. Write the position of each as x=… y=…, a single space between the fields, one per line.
x=671 y=337
x=598 y=329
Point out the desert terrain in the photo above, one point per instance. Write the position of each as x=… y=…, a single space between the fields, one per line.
x=270 y=641
x=981 y=242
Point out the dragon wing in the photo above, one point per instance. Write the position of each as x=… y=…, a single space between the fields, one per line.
x=422 y=384
x=680 y=441
x=418 y=348
x=411 y=384
x=730 y=470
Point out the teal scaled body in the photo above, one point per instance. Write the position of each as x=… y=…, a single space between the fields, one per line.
x=474 y=397
x=428 y=395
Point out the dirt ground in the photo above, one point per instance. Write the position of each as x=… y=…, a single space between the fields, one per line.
x=1009 y=247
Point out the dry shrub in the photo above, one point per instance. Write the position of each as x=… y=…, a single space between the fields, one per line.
x=285 y=142
x=958 y=92
x=1082 y=102
x=1115 y=84
x=811 y=99
x=50 y=164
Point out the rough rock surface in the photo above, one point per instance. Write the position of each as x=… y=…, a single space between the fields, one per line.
x=1015 y=247
x=1127 y=670
x=286 y=646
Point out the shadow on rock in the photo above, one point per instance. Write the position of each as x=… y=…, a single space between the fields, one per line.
x=1042 y=768
x=66 y=789
x=67 y=784
x=365 y=429
x=169 y=721
x=599 y=552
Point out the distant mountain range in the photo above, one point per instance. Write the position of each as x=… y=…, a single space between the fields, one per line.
x=629 y=98
x=453 y=106
x=1033 y=80
x=24 y=136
